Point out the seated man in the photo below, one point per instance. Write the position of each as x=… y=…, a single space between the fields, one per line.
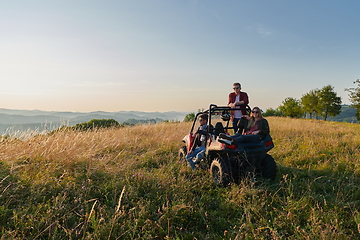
x=200 y=142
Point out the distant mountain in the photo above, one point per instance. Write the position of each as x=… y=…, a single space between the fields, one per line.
x=23 y=120
x=348 y=114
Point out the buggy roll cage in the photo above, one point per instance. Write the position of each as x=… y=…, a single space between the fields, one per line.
x=218 y=110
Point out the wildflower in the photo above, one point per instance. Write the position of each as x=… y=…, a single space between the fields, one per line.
x=83 y=187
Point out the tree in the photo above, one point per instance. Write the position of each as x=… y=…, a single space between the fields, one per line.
x=310 y=102
x=291 y=108
x=189 y=117
x=271 y=112
x=329 y=102
x=354 y=97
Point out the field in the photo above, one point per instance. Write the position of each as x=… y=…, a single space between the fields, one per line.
x=127 y=183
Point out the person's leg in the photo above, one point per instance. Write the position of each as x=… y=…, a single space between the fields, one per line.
x=200 y=154
x=229 y=137
x=189 y=159
x=225 y=136
x=238 y=138
x=235 y=124
x=242 y=125
x=235 y=139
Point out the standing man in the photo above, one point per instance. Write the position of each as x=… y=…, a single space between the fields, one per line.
x=238 y=99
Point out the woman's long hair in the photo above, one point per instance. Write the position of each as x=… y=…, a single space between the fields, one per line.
x=252 y=120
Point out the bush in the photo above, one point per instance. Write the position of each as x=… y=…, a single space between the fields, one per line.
x=97 y=123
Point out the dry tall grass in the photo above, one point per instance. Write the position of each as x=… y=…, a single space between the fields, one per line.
x=317 y=145
x=111 y=150
x=67 y=145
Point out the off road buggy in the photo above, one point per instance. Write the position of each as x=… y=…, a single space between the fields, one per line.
x=230 y=163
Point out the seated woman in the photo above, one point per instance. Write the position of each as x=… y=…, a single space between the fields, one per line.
x=257 y=125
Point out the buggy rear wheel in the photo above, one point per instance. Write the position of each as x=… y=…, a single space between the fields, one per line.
x=269 y=168
x=182 y=154
x=220 y=172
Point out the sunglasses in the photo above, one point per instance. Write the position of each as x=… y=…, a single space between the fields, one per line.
x=236 y=88
x=255 y=111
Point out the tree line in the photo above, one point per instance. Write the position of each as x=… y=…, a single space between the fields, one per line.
x=317 y=103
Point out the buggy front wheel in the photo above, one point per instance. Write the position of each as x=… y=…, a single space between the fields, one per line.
x=182 y=154
x=220 y=172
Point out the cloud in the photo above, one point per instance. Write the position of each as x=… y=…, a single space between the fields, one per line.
x=263 y=31
x=260 y=29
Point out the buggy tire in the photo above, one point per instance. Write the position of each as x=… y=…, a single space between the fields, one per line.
x=182 y=154
x=220 y=172
x=269 y=168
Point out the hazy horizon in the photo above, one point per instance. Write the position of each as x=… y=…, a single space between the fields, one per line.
x=85 y=111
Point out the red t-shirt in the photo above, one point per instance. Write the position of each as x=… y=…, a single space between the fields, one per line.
x=243 y=97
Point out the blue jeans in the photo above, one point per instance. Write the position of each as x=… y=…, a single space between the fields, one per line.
x=235 y=124
x=198 y=153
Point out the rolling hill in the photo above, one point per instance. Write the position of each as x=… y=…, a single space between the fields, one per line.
x=48 y=120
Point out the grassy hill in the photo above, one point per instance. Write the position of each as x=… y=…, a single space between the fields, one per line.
x=128 y=184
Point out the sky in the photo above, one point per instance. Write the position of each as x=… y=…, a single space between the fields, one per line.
x=173 y=55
